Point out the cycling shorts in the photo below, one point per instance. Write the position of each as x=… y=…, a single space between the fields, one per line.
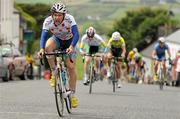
x=64 y=44
x=161 y=58
x=116 y=52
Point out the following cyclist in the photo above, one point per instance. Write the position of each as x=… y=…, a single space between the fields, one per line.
x=65 y=35
x=117 y=48
x=92 y=41
x=131 y=61
x=159 y=55
x=138 y=62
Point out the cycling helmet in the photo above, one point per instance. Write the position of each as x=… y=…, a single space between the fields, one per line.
x=135 y=50
x=58 y=7
x=116 y=36
x=90 y=32
x=161 y=39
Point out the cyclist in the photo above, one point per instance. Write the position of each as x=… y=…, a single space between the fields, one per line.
x=131 y=61
x=138 y=60
x=159 y=55
x=90 y=44
x=117 y=48
x=65 y=35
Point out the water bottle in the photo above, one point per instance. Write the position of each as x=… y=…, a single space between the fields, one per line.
x=63 y=76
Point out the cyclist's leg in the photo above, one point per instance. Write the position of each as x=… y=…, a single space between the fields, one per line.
x=87 y=60
x=108 y=57
x=51 y=44
x=164 y=67
x=97 y=67
x=119 y=74
x=73 y=77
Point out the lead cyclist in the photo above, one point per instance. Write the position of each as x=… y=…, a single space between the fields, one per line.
x=65 y=35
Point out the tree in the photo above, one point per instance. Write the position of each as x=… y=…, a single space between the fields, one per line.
x=140 y=24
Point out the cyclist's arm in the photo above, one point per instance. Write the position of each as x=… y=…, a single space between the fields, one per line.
x=43 y=38
x=168 y=51
x=75 y=35
x=82 y=44
x=153 y=53
x=124 y=49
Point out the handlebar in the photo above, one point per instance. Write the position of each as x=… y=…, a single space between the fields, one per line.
x=56 y=53
x=92 y=55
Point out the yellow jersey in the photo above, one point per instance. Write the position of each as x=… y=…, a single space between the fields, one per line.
x=118 y=44
x=131 y=55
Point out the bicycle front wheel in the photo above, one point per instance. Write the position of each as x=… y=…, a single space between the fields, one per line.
x=59 y=96
x=91 y=78
x=68 y=104
x=161 y=81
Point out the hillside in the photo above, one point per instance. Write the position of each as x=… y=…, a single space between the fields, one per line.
x=100 y=13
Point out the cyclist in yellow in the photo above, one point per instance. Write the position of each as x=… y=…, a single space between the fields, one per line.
x=131 y=61
x=117 y=48
x=65 y=36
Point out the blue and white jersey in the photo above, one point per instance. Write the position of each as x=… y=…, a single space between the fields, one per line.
x=62 y=31
x=161 y=51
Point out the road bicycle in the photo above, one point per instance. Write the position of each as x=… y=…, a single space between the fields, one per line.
x=160 y=74
x=113 y=70
x=92 y=72
x=61 y=89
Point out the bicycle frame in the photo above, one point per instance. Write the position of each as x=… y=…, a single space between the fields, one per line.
x=113 y=70
x=62 y=92
x=92 y=70
x=160 y=73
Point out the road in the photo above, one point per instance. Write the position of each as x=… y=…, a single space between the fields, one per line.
x=34 y=99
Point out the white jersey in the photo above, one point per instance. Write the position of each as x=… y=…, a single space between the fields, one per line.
x=61 y=31
x=96 y=41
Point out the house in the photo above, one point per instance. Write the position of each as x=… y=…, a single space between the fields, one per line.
x=173 y=40
x=9 y=23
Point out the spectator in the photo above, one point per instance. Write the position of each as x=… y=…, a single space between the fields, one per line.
x=177 y=68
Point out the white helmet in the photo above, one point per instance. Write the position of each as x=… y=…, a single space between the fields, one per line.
x=58 y=7
x=135 y=50
x=161 y=39
x=116 y=36
x=90 y=32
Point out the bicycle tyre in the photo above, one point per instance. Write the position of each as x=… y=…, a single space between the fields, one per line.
x=68 y=104
x=161 y=83
x=114 y=79
x=90 y=79
x=58 y=96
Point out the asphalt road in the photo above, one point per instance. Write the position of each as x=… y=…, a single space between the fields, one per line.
x=34 y=99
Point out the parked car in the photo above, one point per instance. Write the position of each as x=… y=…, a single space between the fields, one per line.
x=4 y=72
x=14 y=61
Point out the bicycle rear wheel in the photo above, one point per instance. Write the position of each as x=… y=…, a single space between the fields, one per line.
x=59 y=96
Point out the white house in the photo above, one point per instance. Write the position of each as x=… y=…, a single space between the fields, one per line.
x=9 y=22
x=173 y=41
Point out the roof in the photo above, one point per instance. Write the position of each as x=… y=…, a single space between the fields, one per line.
x=148 y=51
x=174 y=37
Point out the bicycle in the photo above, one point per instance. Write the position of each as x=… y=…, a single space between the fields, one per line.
x=92 y=71
x=113 y=70
x=61 y=88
